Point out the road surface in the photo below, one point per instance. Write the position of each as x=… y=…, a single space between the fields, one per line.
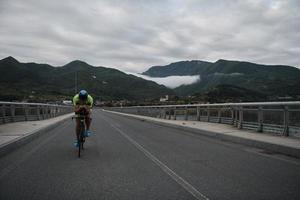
x=134 y=159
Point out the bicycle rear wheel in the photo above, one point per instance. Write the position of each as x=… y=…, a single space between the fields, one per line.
x=80 y=143
x=79 y=148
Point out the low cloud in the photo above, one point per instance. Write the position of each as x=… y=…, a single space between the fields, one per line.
x=171 y=81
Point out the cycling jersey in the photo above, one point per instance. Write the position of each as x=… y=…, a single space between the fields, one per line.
x=89 y=102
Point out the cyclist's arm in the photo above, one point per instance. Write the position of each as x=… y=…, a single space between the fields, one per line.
x=90 y=102
x=75 y=103
x=77 y=108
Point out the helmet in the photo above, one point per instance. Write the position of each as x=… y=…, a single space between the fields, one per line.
x=83 y=95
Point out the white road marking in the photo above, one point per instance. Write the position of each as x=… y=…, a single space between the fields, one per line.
x=230 y=144
x=187 y=186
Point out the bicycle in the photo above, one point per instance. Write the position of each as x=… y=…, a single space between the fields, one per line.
x=81 y=137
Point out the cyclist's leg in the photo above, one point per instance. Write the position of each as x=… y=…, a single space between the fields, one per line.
x=88 y=122
x=77 y=128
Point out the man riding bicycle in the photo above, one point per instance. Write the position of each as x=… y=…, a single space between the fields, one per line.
x=83 y=103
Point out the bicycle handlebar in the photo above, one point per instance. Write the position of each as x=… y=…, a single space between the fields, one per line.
x=80 y=116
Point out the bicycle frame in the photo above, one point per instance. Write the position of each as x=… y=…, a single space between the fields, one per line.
x=82 y=126
x=81 y=137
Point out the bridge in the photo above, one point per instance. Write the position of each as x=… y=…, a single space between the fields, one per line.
x=218 y=151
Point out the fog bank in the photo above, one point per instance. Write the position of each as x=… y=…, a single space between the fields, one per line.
x=171 y=81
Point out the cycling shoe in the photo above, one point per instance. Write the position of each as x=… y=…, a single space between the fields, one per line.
x=88 y=133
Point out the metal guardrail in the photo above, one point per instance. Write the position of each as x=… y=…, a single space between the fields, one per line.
x=16 y=112
x=282 y=118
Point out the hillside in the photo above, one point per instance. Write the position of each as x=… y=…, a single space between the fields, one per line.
x=181 y=68
x=42 y=82
x=229 y=93
x=271 y=80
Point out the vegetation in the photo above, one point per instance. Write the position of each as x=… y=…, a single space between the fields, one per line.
x=222 y=81
x=273 y=81
x=44 y=83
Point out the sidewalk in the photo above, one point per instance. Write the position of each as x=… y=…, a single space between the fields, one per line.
x=13 y=134
x=279 y=144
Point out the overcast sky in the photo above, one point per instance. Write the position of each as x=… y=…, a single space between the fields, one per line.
x=133 y=35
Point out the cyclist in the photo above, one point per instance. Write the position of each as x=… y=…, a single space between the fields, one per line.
x=83 y=103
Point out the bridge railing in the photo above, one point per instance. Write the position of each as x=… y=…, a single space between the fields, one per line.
x=16 y=112
x=282 y=118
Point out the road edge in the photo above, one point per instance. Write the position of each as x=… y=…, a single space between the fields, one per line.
x=276 y=148
x=20 y=141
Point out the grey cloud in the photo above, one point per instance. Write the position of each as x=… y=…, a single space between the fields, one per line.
x=133 y=35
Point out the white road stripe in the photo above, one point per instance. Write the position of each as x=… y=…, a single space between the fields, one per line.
x=187 y=186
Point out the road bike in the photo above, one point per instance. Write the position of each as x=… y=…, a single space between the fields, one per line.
x=82 y=128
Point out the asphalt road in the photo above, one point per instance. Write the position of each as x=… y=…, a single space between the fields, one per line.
x=134 y=159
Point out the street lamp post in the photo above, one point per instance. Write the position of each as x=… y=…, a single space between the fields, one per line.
x=76 y=82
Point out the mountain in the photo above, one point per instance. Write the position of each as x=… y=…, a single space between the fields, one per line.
x=271 y=80
x=182 y=68
x=41 y=82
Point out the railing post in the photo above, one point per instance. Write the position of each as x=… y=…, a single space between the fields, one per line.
x=25 y=108
x=232 y=116
x=3 y=113
x=142 y=111
x=164 y=113
x=208 y=113
x=286 y=119
x=219 y=115
x=44 y=112
x=186 y=114
x=12 y=112
x=51 y=111
x=169 y=116
x=260 y=119
x=55 y=111
x=47 y=112
x=174 y=113
x=198 y=113
x=240 y=124
x=236 y=119
x=38 y=112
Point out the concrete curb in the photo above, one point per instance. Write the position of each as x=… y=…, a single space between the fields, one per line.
x=20 y=141
x=276 y=148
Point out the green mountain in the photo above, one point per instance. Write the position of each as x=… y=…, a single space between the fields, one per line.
x=270 y=80
x=182 y=68
x=42 y=82
x=229 y=93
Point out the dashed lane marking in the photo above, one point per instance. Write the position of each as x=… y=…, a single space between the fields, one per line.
x=186 y=185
